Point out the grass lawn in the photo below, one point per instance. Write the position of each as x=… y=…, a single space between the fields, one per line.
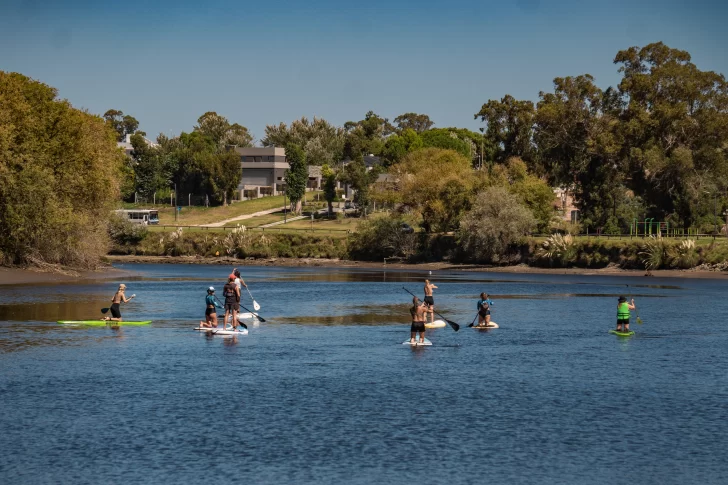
x=194 y=215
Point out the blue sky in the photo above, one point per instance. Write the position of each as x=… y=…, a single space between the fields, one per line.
x=258 y=63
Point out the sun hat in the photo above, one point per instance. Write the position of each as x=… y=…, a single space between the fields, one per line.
x=211 y=289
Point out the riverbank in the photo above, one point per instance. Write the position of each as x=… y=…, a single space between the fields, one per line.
x=24 y=276
x=435 y=266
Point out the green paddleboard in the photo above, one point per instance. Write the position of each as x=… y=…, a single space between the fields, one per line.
x=622 y=334
x=101 y=323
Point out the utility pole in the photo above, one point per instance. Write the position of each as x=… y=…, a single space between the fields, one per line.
x=175 y=202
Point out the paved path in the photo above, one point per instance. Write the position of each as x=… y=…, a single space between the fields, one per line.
x=243 y=217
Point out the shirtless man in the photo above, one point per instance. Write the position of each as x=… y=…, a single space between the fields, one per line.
x=418 y=311
x=429 y=301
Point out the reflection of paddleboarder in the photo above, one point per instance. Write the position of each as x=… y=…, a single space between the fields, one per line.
x=418 y=311
x=623 y=309
x=484 y=310
x=429 y=301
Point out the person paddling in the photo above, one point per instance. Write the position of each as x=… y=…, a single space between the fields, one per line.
x=623 y=309
x=210 y=309
x=418 y=312
x=429 y=301
x=116 y=301
x=484 y=310
x=232 y=296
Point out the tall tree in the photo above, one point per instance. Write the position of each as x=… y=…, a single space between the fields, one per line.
x=59 y=172
x=398 y=145
x=366 y=136
x=122 y=124
x=296 y=176
x=237 y=135
x=509 y=127
x=413 y=121
x=675 y=127
x=213 y=126
x=329 y=176
x=322 y=142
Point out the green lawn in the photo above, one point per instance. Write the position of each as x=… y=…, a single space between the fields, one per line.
x=194 y=215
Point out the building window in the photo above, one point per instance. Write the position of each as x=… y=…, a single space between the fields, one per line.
x=280 y=178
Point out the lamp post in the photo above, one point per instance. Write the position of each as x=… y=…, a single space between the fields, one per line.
x=285 y=212
x=175 y=202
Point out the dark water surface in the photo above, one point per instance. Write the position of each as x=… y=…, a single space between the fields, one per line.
x=325 y=392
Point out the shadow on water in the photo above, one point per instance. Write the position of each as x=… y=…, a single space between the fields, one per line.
x=556 y=296
x=52 y=311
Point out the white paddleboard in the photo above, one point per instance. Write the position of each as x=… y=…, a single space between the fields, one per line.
x=220 y=331
x=417 y=343
x=486 y=327
x=436 y=324
x=246 y=316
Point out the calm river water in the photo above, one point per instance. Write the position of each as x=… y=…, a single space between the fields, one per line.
x=325 y=392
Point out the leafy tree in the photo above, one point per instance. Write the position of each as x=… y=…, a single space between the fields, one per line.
x=329 y=177
x=59 y=172
x=360 y=179
x=122 y=124
x=296 y=176
x=413 y=121
x=397 y=146
x=149 y=167
x=496 y=221
x=322 y=142
x=534 y=193
x=437 y=184
x=509 y=127
x=213 y=126
x=237 y=135
x=447 y=139
x=674 y=125
x=382 y=237
x=366 y=136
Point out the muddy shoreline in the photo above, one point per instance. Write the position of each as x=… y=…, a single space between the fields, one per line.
x=440 y=266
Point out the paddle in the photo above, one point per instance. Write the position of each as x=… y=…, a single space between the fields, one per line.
x=106 y=310
x=255 y=303
x=639 y=320
x=473 y=323
x=256 y=315
x=454 y=325
x=223 y=317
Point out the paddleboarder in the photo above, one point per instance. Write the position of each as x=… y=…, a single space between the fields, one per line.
x=238 y=280
x=116 y=301
x=484 y=310
x=210 y=309
x=623 y=308
x=418 y=313
x=232 y=296
x=429 y=301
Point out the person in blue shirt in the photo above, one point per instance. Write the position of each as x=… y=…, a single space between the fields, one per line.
x=484 y=305
x=210 y=311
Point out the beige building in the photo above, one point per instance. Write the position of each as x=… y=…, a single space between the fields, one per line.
x=264 y=170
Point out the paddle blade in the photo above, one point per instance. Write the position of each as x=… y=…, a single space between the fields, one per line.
x=104 y=310
x=256 y=306
x=639 y=320
x=454 y=325
x=243 y=325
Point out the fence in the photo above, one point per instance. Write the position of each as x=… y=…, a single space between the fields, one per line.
x=279 y=229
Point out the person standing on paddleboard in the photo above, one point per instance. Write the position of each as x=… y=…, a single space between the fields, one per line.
x=484 y=310
x=623 y=309
x=210 y=309
x=239 y=281
x=429 y=301
x=418 y=312
x=232 y=296
x=116 y=301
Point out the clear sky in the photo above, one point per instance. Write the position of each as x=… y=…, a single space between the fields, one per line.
x=258 y=63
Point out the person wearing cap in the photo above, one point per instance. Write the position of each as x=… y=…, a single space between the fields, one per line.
x=623 y=309
x=210 y=312
x=232 y=296
x=116 y=301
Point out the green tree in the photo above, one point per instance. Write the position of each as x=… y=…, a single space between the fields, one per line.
x=59 y=172
x=366 y=136
x=496 y=221
x=296 y=176
x=413 y=121
x=509 y=128
x=397 y=146
x=675 y=127
x=322 y=142
x=329 y=177
x=447 y=139
x=122 y=124
x=360 y=179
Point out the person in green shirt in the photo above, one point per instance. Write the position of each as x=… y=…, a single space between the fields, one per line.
x=623 y=309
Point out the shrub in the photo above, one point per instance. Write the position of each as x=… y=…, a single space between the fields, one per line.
x=383 y=237
x=558 y=249
x=125 y=233
x=496 y=221
x=683 y=255
x=654 y=253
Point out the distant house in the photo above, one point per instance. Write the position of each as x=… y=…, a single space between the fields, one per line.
x=126 y=145
x=565 y=204
x=264 y=171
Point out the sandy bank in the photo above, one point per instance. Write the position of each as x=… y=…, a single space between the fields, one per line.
x=441 y=266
